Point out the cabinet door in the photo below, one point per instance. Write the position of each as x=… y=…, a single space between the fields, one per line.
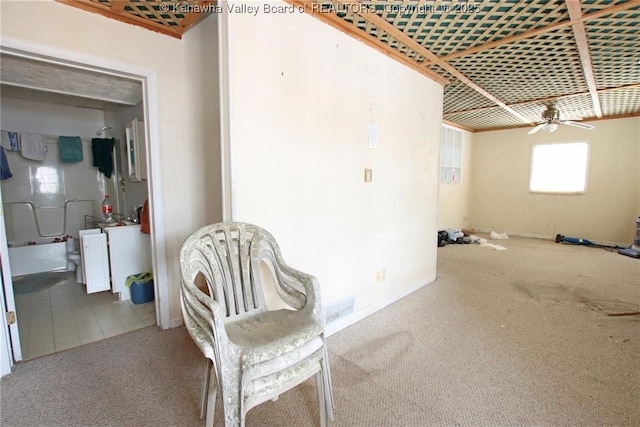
x=96 y=262
x=136 y=150
x=141 y=149
x=132 y=164
x=83 y=233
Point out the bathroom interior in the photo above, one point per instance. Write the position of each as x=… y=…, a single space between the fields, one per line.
x=68 y=263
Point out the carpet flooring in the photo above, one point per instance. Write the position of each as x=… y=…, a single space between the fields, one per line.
x=525 y=336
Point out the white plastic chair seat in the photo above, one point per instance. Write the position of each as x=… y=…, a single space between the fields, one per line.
x=266 y=335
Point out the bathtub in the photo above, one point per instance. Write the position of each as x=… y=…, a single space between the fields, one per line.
x=38 y=258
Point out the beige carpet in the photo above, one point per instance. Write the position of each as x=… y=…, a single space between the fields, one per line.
x=516 y=337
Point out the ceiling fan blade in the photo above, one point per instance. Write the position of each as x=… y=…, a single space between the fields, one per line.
x=537 y=128
x=578 y=125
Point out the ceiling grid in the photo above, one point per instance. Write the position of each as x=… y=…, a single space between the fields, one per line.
x=503 y=62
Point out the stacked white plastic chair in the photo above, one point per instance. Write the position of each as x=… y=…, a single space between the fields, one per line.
x=254 y=354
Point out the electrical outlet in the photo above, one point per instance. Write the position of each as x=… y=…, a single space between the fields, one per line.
x=367 y=175
x=381 y=275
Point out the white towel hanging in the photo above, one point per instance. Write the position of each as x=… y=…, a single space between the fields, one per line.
x=33 y=146
x=10 y=140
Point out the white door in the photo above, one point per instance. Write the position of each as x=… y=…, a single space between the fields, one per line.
x=81 y=234
x=10 y=345
x=96 y=262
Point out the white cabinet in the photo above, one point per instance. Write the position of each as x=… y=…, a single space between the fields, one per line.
x=136 y=150
x=116 y=253
x=129 y=253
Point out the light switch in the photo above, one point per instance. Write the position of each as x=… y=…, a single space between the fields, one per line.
x=367 y=175
x=373 y=136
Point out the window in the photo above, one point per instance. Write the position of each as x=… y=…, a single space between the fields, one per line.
x=559 y=168
x=450 y=155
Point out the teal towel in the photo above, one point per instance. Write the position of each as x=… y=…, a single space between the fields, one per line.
x=70 y=149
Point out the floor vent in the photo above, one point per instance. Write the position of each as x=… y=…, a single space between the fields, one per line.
x=338 y=309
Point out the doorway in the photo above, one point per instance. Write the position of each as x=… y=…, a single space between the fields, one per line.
x=149 y=313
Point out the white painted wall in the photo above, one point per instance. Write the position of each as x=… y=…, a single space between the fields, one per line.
x=500 y=199
x=302 y=96
x=187 y=142
x=454 y=199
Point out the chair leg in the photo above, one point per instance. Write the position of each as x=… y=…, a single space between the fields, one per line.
x=210 y=402
x=322 y=404
x=205 y=387
x=328 y=387
x=211 y=406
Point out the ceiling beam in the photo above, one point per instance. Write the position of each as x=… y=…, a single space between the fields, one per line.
x=575 y=13
x=528 y=34
x=121 y=16
x=457 y=126
x=312 y=8
x=399 y=35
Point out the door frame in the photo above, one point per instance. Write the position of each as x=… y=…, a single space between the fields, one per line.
x=10 y=338
x=149 y=80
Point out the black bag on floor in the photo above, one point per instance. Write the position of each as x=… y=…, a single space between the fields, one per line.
x=443 y=238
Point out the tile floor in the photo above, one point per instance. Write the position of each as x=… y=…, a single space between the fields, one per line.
x=64 y=316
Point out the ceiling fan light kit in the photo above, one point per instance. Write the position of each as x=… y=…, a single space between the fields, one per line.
x=551 y=119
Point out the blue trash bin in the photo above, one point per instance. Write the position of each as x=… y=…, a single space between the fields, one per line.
x=141 y=286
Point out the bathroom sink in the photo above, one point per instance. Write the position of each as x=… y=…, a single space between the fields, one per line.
x=116 y=224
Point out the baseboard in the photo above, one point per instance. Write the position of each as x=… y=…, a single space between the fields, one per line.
x=516 y=234
x=350 y=319
x=174 y=323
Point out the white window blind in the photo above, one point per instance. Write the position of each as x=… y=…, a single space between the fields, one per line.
x=450 y=155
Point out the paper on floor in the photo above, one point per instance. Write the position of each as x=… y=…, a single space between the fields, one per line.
x=498 y=236
x=492 y=246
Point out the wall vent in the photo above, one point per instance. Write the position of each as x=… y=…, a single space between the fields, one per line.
x=337 y=309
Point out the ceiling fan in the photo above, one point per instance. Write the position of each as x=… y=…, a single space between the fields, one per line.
x=551 y=119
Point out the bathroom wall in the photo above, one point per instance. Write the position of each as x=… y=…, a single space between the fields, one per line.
x=50 y=185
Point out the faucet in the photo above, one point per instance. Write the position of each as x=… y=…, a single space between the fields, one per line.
x=89 y=222
x=118 y=217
